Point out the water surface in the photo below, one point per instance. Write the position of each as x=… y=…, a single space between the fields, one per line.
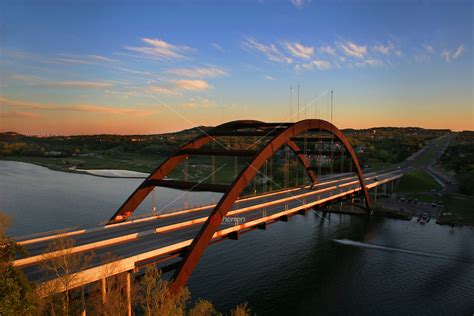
x=314 y=264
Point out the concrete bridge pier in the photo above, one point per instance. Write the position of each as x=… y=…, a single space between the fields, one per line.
x=83 y=302
x=103 y=287
x=129 y=295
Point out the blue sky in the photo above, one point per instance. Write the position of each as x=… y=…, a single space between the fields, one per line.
x=85 y=67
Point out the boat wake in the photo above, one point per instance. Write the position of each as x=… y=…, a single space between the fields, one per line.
x=359 y=244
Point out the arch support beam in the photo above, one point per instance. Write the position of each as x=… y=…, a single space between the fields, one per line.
x=202 y=240
x=304 y=161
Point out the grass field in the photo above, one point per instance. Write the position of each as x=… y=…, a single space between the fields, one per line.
x=417 y=181
x=424 y=197
x=458 y=210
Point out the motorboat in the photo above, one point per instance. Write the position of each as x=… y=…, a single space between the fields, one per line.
x=423 y=218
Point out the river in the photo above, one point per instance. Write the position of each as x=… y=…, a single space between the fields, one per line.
x=314 y=264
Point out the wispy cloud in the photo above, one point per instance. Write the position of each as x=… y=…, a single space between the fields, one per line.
x=18 y=114
x=162 y=90
x=86 y=108
x=175 y=87
x=300 y=3
x=428 y=48
x=195 y=85
x=452 y=55
x=200 y=72
x=59 y=58
x=271 y=52
x=268 y=77
x=459 y=51
x=328 y=50
x=369 y=62
x=159 y=49
x=298 y=50
x=385 y=49
x=218 y=47
x=352 y=49
x=198 y=103
x=317 y=64
x=81 y=59
x=73 y=84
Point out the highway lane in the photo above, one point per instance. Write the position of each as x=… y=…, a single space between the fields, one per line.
x=99 y=234
x=159 y=240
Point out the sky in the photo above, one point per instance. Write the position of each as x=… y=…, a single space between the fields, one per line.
x=145 y=67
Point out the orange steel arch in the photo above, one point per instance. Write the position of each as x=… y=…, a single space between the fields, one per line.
x=203 y=238
x=137 y=197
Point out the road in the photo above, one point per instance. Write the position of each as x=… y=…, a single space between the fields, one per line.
x=172 y=230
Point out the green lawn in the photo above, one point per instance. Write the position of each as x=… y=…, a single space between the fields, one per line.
x=424 y=197
x=417 y=181
x=457 y=210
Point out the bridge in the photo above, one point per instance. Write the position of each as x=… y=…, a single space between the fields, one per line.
x=255 y=195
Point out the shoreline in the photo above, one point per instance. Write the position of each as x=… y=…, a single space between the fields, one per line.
x=115 y=173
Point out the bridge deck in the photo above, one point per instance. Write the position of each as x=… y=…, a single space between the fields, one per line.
x=142 y=239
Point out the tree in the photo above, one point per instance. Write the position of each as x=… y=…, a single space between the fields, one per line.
x=115 y=300
x=240 y=310
x=156 y=297
x=203 y=308
x=60 y=262
x=16 y=296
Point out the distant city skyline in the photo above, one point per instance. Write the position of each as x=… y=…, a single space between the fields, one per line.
x=138 y=67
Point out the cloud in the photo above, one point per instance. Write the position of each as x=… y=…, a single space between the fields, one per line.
x=19 y=114
x=162 y=90
x=218 y=47
x=452 y=55
x=459 y=51
x=198 y=103
x=159 y=49
x=86 y=108
x=446 y=55
x=268 y=77
x=81 y=59
x=328 y=50
x=203 y=72
x=270 y=51
x=174 y=87
x=388 y=49
x=123 y=94
x=195 y=85
x=317 y=64
x=298 y=50
x=74 y=84
x=300 y=3
x=353 y=50
x=369 y=62
x=384 y=49
x=428 y=48
x=60 y=58
x=373 y=62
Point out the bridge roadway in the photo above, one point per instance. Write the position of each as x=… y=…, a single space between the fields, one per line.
x=151 y=237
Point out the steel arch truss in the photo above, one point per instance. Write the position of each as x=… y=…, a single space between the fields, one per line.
x=280 y=133
x=235 y=128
